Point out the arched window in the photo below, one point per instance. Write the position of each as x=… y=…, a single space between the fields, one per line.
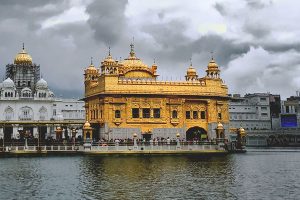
x=43 y=113
x=174 y=114
x=8 y=113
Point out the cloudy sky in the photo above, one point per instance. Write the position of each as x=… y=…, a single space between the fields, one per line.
x=256 y=42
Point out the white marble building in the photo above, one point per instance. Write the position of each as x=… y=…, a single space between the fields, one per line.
x=31 y=102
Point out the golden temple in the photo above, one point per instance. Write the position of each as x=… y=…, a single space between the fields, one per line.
x=125 y=97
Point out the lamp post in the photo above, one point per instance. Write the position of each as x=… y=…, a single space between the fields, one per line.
x=26 y=138
x=74 y=131
x=177 y=141
x=134 y=141
x=38 y=127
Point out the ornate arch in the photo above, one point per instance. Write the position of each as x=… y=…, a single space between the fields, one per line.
x=8 y=113
x=42 y=113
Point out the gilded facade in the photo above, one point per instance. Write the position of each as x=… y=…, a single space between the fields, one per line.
x=125 y=97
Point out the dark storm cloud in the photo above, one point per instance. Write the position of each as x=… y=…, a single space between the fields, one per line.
x=30 y=11
x=281 y=47
x=224 y=50
x=220 y=8
x=107 y=19
x=176 y=47
x=257 y=30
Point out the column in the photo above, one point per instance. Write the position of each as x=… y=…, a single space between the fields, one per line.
x=1 y=133
x=48 y=132
x=15 y=131
x=35 y=132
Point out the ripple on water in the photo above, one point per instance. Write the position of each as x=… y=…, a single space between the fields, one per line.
x=255 y=175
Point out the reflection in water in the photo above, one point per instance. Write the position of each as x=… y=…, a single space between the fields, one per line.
x=154 y=177
x=264 y=175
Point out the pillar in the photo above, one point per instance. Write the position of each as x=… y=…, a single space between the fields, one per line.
x=15 y=131
x=35 y=132
x=1 y=133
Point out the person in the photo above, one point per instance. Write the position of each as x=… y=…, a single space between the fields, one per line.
x=168 y=141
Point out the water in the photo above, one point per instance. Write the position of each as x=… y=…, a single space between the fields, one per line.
x=254 y=175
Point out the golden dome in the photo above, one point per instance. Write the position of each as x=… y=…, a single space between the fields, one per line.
x=91 y=67
x=220 y=126
x=242 y=129
x=23 y=58
x=87 y=125
x=132 y=61
x=191 y=71
x=108 y=60
x=212 y=64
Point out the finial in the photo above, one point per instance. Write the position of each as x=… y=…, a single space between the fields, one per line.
x=154 y=60
x=23 y=46
x=191 y=62
x=41 y=75
x=132 y=54
x=91 y=60
x=109 y=50
x=212 y=55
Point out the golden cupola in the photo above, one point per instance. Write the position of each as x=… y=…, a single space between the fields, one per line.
x=109 y=66
x=108 y=60
x=91 y=72
x=191 y=73
x=23 y=58
x=134 y=67
x=213 y=69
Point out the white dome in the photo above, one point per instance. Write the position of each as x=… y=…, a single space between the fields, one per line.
x=42 y=84
x=8 y=83
x=51 y=94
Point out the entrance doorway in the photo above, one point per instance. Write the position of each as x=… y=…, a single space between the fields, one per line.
x=196 y=133
x=8 y=130
x=147 y=137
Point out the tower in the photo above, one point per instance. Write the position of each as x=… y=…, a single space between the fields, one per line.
x=109 y=66
x=213 y=70
x=91 y=73
x=23 y=71
x=191 y=74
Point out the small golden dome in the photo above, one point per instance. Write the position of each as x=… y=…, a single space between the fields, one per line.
x=212 y=64
x=23 y=58
x=242 y=129
x=191 y=70
x=91 y=67
x=220 y=126
x=86 y=125
x=108 y=60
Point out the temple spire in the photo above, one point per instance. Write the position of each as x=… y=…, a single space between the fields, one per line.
x=191 y=63
x=109 y=51
x=132 y=53
x=23 y=46
x=91 y=60
x=212 y=55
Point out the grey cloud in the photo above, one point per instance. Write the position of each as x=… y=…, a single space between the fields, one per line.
x=107 y=19
x=258 y=4
x=257 y=30
x=220 y=8
x=281 y=47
